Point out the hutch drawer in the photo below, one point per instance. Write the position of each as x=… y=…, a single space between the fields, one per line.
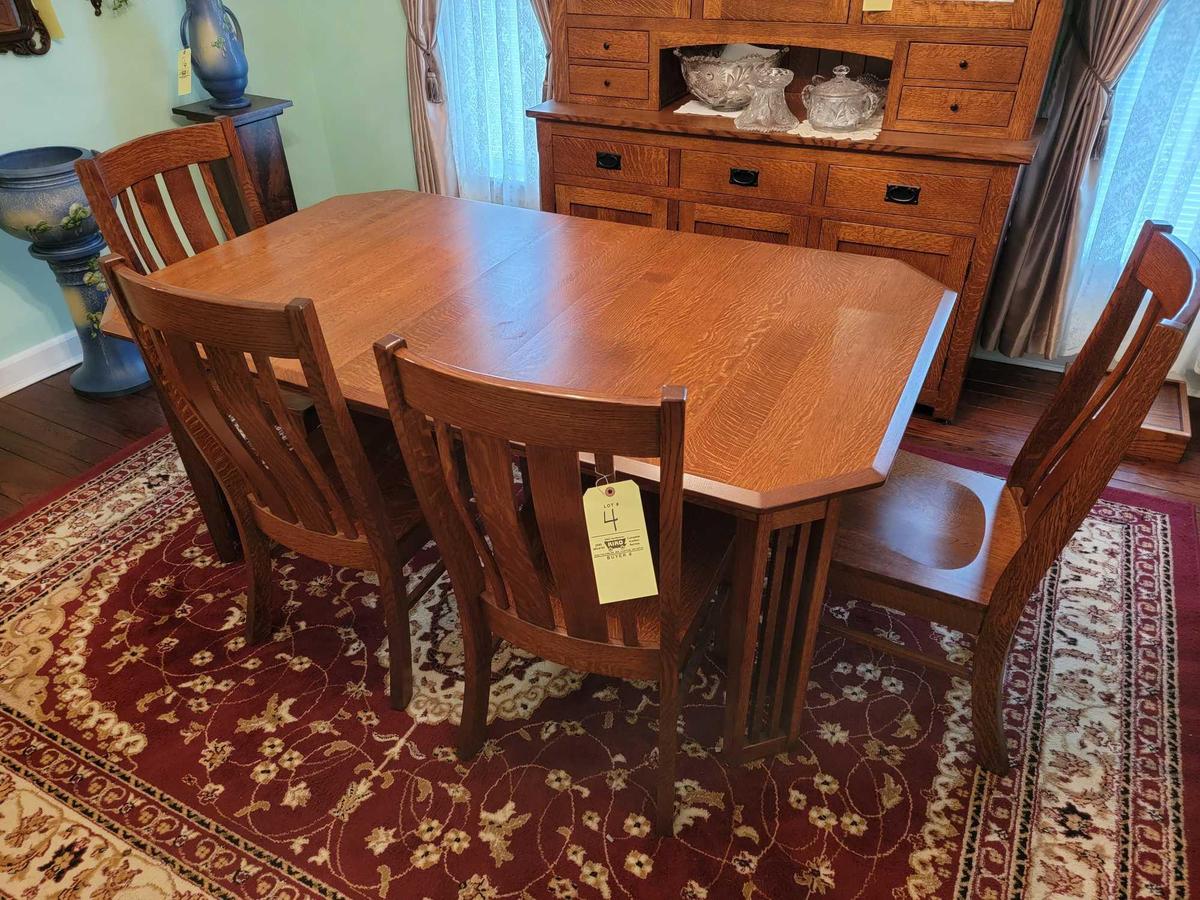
x=958 y=13
x=606 y=81
x=747 y=176
x=965 y=62
x=611 y=160
x=667 y=8
x=956 y=198
x=608 y=44
x=779 y=10
x=956 y=106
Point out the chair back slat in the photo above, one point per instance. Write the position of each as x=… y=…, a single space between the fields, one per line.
x=555 y=475
x=149 y=179
x=213 y=359
x=1161 y=281
x=525 y=548
x=159 y=227
x=490 y=464
x=189 y=210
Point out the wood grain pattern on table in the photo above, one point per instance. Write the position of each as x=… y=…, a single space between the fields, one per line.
x=802 y=367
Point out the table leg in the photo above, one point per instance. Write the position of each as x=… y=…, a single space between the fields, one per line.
x=209 y=496
x=781 y=567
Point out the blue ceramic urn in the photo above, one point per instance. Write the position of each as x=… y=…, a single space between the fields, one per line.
x=214 y=35
x=42 y=202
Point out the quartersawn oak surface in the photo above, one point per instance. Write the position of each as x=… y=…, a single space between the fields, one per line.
x=802 y=366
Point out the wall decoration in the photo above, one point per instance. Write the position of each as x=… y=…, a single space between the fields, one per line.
x=22 y=31
x=214 y=35
x=42 y=202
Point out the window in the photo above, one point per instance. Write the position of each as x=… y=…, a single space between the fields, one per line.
x=1151 y=164
x=495 y=61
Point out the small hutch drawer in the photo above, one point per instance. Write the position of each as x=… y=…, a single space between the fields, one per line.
x=668 y=8
x=966 y=62
x=747 y=176
x=956 y=198
x=608 y=44
x=612 y=160
x=956 y=106
x=604 y=81
x=837 y=11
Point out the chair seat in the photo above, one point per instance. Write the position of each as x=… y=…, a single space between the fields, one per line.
x=934 y=529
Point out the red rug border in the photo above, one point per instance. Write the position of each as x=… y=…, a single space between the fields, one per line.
x=114 y=458
x=1186 y=564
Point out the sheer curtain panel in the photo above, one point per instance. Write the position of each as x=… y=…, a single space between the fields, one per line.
x=495 y=68
x=1150 y=168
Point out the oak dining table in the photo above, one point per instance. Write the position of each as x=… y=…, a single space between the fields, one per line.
x=802 y=368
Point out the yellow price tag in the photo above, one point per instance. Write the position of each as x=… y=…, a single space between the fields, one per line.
x=185 y=71
x=616 y=526
x=877 y=5
x=46 y=10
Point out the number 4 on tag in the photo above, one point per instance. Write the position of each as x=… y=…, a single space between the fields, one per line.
x=620 y=545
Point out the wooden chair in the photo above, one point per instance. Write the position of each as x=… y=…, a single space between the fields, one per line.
x=317 y=492
x=133 y=207
x=968 y=550
x=523 y=571
x=132 y=190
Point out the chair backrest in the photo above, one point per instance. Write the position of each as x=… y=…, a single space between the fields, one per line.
x=1080 y=440
x=532 y=560
x=211 y=359
x=145 y=199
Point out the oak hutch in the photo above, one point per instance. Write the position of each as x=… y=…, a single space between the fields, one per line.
x=966 y=78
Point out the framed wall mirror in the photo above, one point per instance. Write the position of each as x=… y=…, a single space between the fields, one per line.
x=21 y=29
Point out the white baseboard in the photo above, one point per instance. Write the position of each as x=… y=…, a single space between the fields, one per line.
x=39 y=361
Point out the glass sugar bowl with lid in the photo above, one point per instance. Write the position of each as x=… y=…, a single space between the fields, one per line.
x=839 y=103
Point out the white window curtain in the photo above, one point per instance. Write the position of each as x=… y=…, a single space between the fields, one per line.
x=495 y=64
x=1150 y=168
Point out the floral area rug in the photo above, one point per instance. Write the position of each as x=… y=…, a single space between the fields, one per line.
x=147 y=752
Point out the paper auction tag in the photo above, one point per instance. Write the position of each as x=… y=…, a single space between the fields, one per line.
x=616 y=526
x=185 y=71
x=877 y=5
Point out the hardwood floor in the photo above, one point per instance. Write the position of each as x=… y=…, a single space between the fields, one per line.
x=49 y=434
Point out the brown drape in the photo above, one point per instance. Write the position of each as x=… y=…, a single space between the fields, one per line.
x=1028 y=301
x=541 y=9
x=427 y=101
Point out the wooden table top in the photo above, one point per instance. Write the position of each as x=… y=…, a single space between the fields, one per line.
x=802 y=366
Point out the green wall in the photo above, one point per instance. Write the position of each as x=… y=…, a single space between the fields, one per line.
x=113 y=78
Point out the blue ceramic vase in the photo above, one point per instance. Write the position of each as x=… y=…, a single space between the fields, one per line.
x=214 y=35
x=41 y=201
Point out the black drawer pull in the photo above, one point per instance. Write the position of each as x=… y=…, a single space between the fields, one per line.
x=964 y=64
x=954 y=107
x=607 y=45
x=609 y=161
x=904 y=194
x=743 y=177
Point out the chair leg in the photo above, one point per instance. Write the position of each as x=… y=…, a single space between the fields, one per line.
x=478 y=648
x=668 y=750
x=987 y=699
x=257 y=549
x=395 y=614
